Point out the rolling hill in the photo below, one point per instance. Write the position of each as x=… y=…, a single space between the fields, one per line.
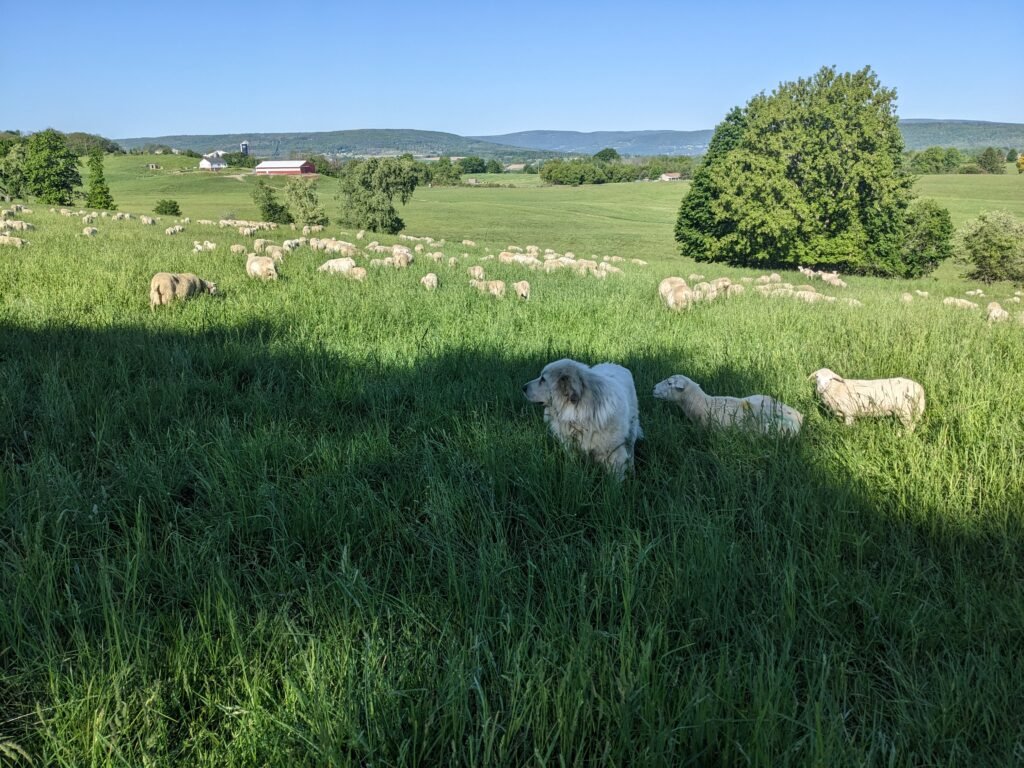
x=364 y=142
x=917 y=134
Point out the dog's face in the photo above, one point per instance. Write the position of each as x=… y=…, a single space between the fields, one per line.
x=559 y=384
x=671 y=387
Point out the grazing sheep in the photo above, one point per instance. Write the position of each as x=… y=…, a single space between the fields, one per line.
x=429 y=281
x=953 y=301
x=850 y=399
x=694 y=277
x=14 y=242
x=975 y=292
x=469 y=243
x=853 y=302
x=238 y=248
x=259 y=244
x=755 y=413
x=922 y=294
x=165 y=287
x=262 y=267
x=734 y=289
x=356 y=273
x=90 y=231
x=681 y=297
x=477 y=273
x=276 y=252
x=906 y=298
x=147 y=220
x=522 y=289
x=337 y=265
x=996 y=314
x=19 y=226
x=494 y=287
x=669 y=284
x=174 y=230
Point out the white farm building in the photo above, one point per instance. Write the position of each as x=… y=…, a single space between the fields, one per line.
x=212 y=163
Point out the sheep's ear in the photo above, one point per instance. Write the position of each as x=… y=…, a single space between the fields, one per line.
x=570 y=386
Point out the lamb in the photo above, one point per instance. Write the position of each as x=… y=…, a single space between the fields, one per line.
x=850 y=399
x=996 y=314
x=429 y=281
x=165 y=287
x=522 y=289
x=262 y=267
x=755 y=413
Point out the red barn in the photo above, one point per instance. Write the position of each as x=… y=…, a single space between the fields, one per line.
x=285 y=168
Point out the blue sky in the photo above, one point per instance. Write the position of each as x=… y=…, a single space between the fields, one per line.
x=138 y=69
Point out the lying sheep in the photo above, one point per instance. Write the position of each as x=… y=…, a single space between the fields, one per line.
x=996 y=314
x=337 y=265
x=850 y=399
x=755 y=413
x=262 y=267
x=522 y=289
x=165 y=287
x=953 y=301
x=429 y=281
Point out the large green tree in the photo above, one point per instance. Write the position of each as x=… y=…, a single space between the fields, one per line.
x=368 y=188
x=98 y=192
x=51 y=169
x=607 y=155
x=303 y=203
x=12 y=171
x=809 y=174
x=992 y=160
x=271 y=209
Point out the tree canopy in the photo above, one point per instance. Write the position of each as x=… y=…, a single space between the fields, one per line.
x=98 y=194
x=303 y=203
x=368 y=188
x=809 y=174
x=607 y=155
x=50 y=168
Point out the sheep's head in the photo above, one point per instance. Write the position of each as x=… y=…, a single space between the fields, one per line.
x=674 y=386
x=823 y=377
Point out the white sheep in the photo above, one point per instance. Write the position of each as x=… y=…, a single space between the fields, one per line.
x=90 y=231
x=494 y=287
x=262 y=267
x=237 y=248
x=850 y=399
x=337 y=265
x=477 y=273
x=429 y=281
x=522 y=289
x=996 y=314
x=165 y=287
x=754 y=413
x=953 y=301
x=11 y=240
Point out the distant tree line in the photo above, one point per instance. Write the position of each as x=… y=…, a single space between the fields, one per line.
x=937 y=160
x=608 y=167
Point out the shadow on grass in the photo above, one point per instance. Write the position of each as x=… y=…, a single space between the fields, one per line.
x=216 y=549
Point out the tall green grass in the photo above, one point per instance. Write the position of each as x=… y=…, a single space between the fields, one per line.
x=314 y=522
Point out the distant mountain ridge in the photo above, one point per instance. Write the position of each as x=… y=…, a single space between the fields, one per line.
x=534 y=145
x=357 y=143
x=917 y=134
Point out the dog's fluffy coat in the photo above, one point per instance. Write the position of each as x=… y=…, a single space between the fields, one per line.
x=594 y=410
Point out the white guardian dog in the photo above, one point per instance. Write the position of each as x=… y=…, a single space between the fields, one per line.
x=594 y=410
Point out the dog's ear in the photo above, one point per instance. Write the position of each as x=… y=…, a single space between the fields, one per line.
x=570 y=386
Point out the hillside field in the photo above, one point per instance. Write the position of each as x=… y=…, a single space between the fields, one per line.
x=314 y=521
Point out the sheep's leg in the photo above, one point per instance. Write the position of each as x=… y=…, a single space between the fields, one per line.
x=619 y=460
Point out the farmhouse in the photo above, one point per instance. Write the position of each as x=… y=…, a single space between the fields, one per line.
x=285 y=167
x=515 y=167
x=673 y=176
x=153 y=166
x=212 y=163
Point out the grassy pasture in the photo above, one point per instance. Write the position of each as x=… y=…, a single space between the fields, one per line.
x=315 y=523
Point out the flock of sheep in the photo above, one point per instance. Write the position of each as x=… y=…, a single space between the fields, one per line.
x=846 y=398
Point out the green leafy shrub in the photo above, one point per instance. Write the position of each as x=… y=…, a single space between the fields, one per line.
x=167 y=208
x=993 y=244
